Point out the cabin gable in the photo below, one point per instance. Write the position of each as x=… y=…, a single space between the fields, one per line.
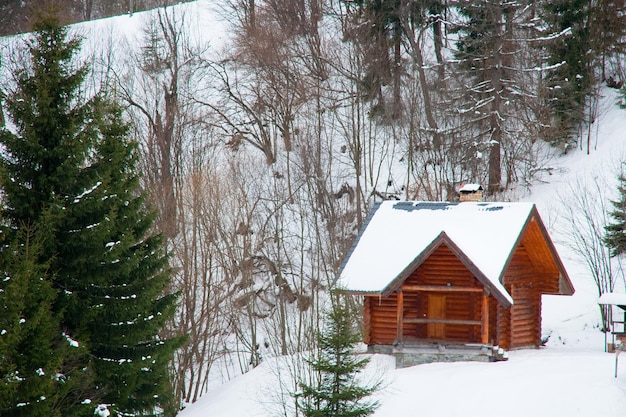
x=440 y=300
x=532 y=270
x=522 y=279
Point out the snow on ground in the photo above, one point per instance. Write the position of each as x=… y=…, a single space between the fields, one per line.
x=571 y=376
x=546 y=382
x=531 y=383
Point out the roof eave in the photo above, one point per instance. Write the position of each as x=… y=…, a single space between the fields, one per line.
x=396 y=283
x=443 y=238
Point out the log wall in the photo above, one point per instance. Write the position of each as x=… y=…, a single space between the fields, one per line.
x=440 y=269
x=524 y=285
x=382 y=319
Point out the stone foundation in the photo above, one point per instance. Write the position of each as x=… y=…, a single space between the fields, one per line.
x=417 y=354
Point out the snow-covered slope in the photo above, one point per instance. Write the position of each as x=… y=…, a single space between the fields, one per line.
x=571 y=376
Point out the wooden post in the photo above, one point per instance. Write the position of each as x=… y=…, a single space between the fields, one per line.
x=484 y=328
x=400 y=315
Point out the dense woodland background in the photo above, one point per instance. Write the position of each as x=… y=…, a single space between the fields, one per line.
x=264 y=155
x=17 y=16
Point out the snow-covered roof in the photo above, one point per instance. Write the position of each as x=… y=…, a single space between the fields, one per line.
x=613 y=298
x=470 y=188
x=396 y=233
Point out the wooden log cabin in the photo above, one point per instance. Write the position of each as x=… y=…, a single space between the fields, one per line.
x=453 y=273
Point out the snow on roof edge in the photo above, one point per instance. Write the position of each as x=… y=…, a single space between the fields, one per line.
x=355 y=243
x=612 y=298
x=470 y=187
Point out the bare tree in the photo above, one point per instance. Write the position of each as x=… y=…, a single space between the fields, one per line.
x=164 y=58
x=178 y=153
x=586 y=215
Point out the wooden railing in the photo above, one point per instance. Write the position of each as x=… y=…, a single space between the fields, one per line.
x=483 y=323
x=410 y=320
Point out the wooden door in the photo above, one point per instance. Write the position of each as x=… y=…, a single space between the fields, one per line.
x=436 y=310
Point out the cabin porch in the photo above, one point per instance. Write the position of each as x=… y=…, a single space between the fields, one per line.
x=437 y=316
x=416 y=352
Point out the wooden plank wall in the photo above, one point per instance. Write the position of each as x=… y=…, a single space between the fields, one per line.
x=367 y=322
x=524 y=285
x=441 y=268
x=525 y=317
x=541 y=257
x=459 y=307
x=382 y=319
x=493 y=320
x=414 y=305
x=504 y=327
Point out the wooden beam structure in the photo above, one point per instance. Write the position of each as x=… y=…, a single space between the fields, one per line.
x=441 y=288
x=400 y=315
x=443 y=321
x=484 y=328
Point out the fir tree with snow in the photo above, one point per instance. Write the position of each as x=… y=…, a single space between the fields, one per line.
x=70 y=169
x=615 y=232
x=28 y=331
x=571 y=61
x=336 y=391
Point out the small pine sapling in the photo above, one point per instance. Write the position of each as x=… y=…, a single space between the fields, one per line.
x=336 y=390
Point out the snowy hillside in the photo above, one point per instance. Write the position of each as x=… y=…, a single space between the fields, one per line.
x=571 y=376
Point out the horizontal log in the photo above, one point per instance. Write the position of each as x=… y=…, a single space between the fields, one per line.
x=438 y=274
x=523 y=329
x=383 y=313
x=525 y=312
x=517 y=337
x=391 y=336
x=517 y=321
x=437 y=267
x=384 y=323
x=521 y=317
x=440 y=288
x=441 y=321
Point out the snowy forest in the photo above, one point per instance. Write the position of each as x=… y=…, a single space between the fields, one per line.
x=18 y=15
x=251 y=144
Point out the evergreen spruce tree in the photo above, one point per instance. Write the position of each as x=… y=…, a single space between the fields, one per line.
x=28 y=332
x=615 y=233
x=336 y=392
x=380 y=29
x=492 y=97
x=69 y=168
x=572 y=58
